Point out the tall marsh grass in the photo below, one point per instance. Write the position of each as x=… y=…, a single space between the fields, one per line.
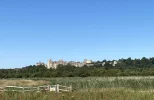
x=136 y=83
x=92 y=88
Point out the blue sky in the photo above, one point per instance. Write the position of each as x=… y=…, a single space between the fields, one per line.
x=36 y=30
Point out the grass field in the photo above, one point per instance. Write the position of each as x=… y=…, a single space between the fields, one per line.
x=21 y=82
x=134 y=83
x=92 y=88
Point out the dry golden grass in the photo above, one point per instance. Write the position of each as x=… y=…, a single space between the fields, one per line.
x=21 y=82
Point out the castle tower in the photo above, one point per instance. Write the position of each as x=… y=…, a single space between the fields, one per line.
x=49 y=64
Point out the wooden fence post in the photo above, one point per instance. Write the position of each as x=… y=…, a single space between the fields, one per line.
x=57 y=88
x=71 y=88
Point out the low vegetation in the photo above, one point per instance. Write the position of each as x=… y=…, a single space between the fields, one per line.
x=21 y=82
x=106 y=94
x=91 y=88
x=134 y=83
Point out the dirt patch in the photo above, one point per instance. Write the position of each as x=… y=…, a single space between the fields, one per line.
x=4 y=83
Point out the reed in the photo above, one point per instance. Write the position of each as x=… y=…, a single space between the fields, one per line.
x=92 y=88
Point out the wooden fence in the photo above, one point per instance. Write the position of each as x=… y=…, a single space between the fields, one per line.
x=53 y=88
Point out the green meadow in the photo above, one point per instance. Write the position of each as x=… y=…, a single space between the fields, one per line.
x=91 y=88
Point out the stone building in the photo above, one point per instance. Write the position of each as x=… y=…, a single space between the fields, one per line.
x=40 y=63
x=54 y=64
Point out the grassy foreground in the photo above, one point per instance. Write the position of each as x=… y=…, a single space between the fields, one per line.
x=134 y=83
x=92 y=88
x=106 y=94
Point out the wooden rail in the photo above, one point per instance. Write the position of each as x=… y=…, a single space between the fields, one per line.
x=53 y=88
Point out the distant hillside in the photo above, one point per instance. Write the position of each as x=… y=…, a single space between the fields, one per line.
x=122 y=67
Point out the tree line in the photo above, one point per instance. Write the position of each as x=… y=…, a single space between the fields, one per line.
x=124 y=67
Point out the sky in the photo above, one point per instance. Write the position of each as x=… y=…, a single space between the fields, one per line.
x=37 y=30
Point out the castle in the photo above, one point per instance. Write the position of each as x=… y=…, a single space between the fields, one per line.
x=54 y=64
